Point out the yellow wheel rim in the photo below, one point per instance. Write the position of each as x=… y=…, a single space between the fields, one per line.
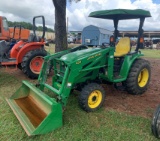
x=95 y=99
x=143 y=77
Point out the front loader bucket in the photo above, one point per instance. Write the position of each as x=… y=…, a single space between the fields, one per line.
x=37 y=112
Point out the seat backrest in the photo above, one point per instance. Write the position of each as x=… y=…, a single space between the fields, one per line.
x=32 y=38
x=4 y=47
x=123 y=47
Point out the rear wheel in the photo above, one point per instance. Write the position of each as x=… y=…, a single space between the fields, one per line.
x=91 y=97
x=32 y=62
x=139 y=77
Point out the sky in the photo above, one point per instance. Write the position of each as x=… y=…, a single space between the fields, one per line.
x=77 y=13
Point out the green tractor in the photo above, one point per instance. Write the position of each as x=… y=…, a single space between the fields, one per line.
x=83 y=69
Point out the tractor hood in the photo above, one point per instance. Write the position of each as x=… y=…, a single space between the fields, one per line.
x=74 y=56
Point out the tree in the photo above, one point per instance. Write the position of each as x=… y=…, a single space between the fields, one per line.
x=60 y=24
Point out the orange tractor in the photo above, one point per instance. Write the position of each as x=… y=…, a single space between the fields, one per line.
x=26 y=55
x=6 y=33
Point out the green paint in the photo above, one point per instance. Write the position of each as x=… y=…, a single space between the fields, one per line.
x=53 y=110
x=120 y=14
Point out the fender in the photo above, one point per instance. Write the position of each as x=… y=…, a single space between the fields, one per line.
x=26 y=48
x=126 y=66
x=16 y=48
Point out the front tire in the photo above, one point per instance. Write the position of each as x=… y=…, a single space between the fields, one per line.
x=32 y=62
x=139 y=77
x=91 y=97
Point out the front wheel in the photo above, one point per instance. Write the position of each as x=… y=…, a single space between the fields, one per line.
x=32 y=62
x=91 y=97
x=139 y=77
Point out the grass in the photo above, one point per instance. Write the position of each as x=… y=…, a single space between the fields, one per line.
x=151 y=53
x=102 y=125
x=78 y=125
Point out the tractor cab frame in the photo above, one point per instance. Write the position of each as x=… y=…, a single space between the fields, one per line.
x=124 y=14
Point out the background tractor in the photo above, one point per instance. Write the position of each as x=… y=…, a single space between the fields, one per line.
x=83 y=69
x=6 y=33
x=26 y=55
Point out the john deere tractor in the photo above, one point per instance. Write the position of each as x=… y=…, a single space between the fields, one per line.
x=83 y=69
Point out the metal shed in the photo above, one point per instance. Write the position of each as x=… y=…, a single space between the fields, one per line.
x=94 y=36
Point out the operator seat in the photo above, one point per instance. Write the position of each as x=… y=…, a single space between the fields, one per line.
x=33 y=38
x=123 y=47
x=4 y=47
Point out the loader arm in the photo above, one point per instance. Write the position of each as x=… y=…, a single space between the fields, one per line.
x=73 y=68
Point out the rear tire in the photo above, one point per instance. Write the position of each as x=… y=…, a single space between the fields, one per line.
x=139 y=77
x=91 y=97
x=32 y=62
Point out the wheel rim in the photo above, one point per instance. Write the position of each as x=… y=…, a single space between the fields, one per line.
x=143 y=77
x=95 y=99
x=36 y=64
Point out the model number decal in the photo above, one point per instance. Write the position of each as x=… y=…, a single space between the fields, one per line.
x=93 y=56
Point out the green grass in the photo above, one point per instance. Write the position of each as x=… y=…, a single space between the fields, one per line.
x=151 y=53
x=102 y=125
x=50 y=48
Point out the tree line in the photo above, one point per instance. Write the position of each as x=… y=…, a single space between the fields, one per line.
x=28 y=26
